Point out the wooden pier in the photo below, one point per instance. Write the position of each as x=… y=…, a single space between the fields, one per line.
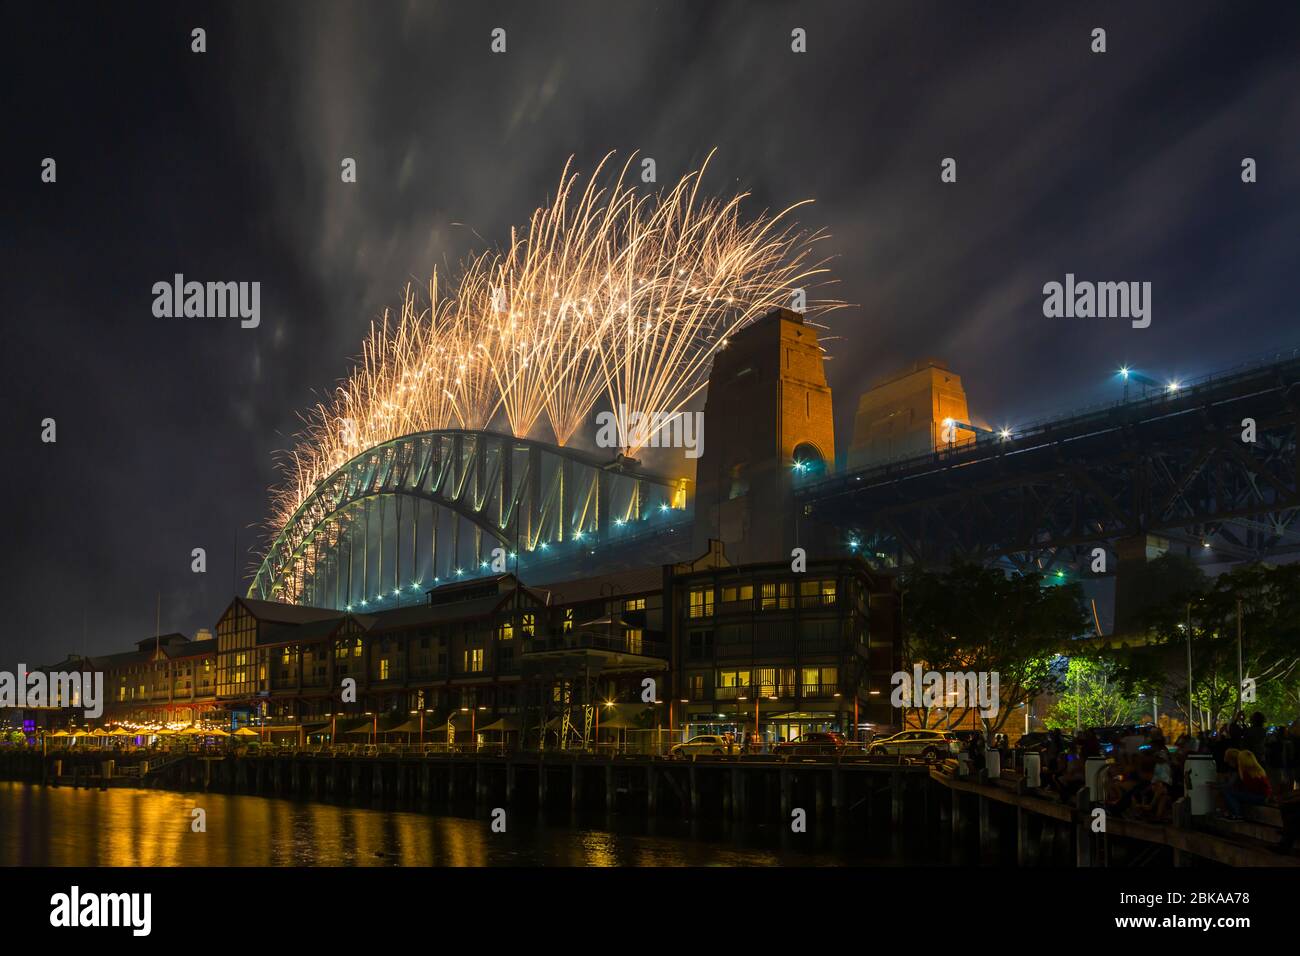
x=998 y=821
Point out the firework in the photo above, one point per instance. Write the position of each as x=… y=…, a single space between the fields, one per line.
x=609 y=297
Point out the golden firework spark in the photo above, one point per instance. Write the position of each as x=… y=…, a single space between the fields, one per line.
x=608 y=298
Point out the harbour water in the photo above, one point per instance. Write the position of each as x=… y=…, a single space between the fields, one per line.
x=46 y=826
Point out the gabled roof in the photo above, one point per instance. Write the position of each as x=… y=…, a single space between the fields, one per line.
x=622 y=584
x=273 y=612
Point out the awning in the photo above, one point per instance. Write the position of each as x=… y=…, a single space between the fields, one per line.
x=411 y=726
x=501 y=724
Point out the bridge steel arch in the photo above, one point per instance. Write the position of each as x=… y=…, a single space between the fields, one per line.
x=511 y=492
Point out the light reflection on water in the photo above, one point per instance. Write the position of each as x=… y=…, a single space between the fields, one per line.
x=127 y=827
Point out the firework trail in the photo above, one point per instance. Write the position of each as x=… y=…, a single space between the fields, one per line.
x=608 y=298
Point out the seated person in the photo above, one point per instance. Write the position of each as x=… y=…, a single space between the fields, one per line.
x=1248 y=786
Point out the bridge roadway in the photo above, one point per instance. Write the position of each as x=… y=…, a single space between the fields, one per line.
x=1173 y=464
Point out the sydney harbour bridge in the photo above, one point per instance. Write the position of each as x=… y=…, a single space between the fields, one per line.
x=1208 y=465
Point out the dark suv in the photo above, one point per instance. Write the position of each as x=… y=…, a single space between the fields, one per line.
x=824 y=743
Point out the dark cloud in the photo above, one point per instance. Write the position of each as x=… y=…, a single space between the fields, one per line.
x=225 y=166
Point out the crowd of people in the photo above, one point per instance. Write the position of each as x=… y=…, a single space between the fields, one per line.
x=1256 y=766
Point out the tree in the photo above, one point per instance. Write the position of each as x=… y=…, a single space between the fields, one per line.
x=1204 y=614
x=1092 y=696
x=971 y=618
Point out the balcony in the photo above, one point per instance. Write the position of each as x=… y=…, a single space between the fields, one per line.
x=588 y=640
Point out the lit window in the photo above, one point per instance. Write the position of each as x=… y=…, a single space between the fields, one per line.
x=776 y=595
x=383 y=669
x=737 y=592
x=634 y=604
x=701 y=604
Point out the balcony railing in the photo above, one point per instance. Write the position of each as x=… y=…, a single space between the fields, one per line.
x=586 y=640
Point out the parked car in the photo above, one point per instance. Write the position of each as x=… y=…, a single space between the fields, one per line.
x=703 y=744
x=930 y=744
x=1036 y=741
x=815 y=744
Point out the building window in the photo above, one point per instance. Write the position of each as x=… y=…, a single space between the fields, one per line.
x=473 y=660
x=567 y=625
x=700 y=647
x=528 y=624
x=634 y=604
x=701 y=603
x=505 y=632
x=697 y=687
x=356 y=648
x=737 y=593
x=634 y=640
x=820 y=681
x=776 y=595
x=817 y=593
x=383 y=668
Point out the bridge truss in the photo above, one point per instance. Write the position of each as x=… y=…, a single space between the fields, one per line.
x=431 y=506
x=1176 y=466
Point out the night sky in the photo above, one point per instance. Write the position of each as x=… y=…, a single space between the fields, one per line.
x=225 y=166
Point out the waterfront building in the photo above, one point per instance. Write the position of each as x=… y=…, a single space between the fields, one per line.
x=653 y=653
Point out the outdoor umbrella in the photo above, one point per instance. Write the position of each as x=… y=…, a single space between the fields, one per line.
x=246 y=732
x=502 y=724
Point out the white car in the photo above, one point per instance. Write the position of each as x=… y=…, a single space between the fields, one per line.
x=929 y=744
x=704 y=744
